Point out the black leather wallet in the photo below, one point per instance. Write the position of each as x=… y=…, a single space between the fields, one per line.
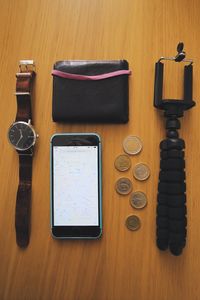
x=90 y=91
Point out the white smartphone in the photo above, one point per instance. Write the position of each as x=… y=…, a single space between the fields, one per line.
x=76 y=196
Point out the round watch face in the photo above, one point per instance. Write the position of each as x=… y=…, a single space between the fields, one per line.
x=21 y=135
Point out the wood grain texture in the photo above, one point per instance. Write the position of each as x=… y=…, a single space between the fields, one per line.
x=122 y=265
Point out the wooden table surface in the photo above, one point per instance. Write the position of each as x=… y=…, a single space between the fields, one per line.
x=122 y=265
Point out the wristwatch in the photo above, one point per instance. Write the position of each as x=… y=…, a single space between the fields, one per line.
x=22 y=137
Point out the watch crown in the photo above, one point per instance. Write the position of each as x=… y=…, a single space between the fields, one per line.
x=37 y=135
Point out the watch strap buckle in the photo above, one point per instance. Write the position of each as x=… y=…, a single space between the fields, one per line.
x=27 y=65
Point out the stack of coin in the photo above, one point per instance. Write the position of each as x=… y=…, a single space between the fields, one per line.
x=132 y=145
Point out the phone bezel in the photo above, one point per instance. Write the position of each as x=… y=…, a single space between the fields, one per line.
x=76 y=232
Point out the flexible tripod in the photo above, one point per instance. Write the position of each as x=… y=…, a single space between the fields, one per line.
x=171 y=200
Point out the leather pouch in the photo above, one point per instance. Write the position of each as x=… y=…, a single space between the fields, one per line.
x=90 y=91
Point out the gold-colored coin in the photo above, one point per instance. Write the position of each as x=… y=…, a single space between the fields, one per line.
x=141 y=171
x=138 y=200
x=132 y=145
x=123 y=186
x=133 y=222
x=122 y=163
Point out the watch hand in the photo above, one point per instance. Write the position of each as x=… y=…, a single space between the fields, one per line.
x=19 y=139
x=21 y=135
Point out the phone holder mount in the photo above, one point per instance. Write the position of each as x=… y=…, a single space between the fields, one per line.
x=171 y=201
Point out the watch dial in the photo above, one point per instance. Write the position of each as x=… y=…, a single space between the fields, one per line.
x=21 y=136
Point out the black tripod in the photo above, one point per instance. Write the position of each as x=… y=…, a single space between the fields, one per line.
x=171 y=202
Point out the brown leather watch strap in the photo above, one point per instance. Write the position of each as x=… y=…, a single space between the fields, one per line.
x=23 y=94
x=23 y=201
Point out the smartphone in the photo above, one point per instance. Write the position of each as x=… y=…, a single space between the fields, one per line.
x=76 y=189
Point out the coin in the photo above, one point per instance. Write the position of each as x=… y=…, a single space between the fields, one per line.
x=138 y=200
x=122 y=163
x=133 y=222
x=141 y=171
x=132 y=145
x=123 y=186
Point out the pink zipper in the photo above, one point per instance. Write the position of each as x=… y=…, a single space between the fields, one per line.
x=87 y=77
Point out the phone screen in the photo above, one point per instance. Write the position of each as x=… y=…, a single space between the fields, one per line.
x=75 y=192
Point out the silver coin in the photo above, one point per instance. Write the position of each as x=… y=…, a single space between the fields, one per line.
x=132 y=145
x=122 y=163
x=141 y=172
x=138 y=200
x=123 y=186
x=133 y=222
